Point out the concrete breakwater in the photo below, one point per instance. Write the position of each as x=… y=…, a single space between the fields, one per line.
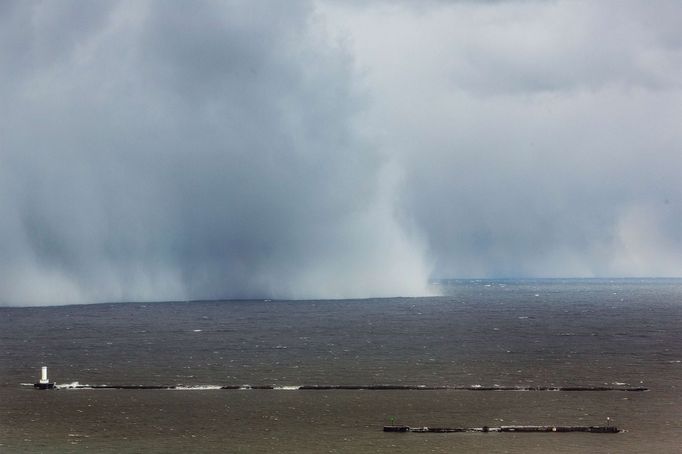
x=360 y=387
x=523 y=429
x=473 y=388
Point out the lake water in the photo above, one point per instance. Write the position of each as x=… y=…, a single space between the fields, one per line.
x=505 y=332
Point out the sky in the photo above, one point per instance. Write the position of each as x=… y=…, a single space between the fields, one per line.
x=156 y=150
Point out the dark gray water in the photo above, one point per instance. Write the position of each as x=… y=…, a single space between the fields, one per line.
x=507 y=333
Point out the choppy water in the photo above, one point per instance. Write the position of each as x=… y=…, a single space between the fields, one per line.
x=509 y=333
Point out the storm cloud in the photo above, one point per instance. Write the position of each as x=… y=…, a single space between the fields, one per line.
x=193 y=150
x=538 y=138
x=202 y=150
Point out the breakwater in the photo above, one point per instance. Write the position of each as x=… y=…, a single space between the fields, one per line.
x=523 y=429
x=360 y=387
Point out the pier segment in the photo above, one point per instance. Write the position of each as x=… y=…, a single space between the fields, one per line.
x=521 y=429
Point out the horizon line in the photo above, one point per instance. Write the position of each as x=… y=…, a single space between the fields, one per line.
x=431 y=281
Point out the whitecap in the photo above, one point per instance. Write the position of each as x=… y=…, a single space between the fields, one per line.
x=196 y=388
x=72 y=385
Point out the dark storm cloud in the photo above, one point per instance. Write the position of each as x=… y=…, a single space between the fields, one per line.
x=331 y=149
x=201 y=150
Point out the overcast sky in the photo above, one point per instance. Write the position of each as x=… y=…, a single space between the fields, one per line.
x=190 y=150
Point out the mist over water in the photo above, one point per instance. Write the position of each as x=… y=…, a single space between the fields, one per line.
x=199 y=151
x=333 y=150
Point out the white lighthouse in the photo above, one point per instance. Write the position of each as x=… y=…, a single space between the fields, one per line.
x=44 y=383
